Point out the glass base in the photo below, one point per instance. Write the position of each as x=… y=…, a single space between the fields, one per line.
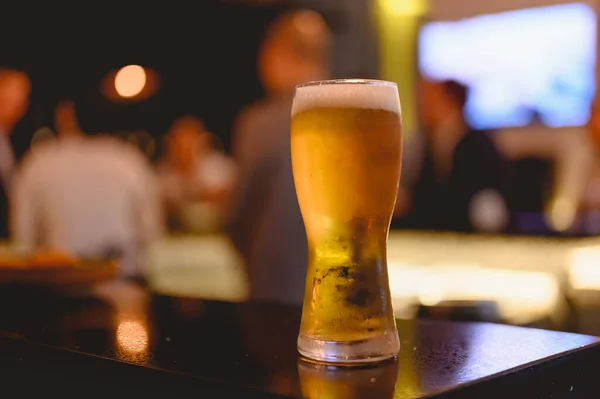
x=374 y=349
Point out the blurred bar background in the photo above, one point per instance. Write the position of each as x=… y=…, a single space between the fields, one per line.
x=201 y=61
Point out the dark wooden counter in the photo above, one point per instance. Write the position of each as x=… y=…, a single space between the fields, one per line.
x=156 y=346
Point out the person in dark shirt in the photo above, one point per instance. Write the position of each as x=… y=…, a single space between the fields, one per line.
x=15 y=87
x=464 y=181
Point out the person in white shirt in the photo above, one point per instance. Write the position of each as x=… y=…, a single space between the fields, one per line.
x=88 y=196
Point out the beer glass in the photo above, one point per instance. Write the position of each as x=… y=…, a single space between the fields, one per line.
x=346 y=154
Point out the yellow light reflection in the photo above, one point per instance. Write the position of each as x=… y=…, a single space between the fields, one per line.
x=519 y=294
x=405 y=7
x=562 y=214
x=130 y=81
x=399 y=22
x=132 y=337
x=318 y=381
x=584 y=270
x=430 y=292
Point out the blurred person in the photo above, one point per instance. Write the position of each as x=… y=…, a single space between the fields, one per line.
x=590 y=199
x=90 y=196
x=194 y=171
x=464 y=181
x=266 y=224
x=15 y=88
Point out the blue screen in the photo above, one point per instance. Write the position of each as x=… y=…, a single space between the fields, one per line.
x=523 y=65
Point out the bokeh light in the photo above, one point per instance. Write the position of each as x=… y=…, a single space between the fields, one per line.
x=404 y=7
x=132 y=337
x=130 y=81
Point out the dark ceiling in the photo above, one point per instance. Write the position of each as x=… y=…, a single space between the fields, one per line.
x=204 y=52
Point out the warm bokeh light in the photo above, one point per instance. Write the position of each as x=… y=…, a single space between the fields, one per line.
x=309 y=23
x=130 y=81
x=404 y=7
x=132 y=337
x=584 y=268
x=562 y=214
x=399 y=23
x=520 y=295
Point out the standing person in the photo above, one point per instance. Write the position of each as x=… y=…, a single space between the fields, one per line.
x=15 y=88
x=266 y=223
x=464 y=182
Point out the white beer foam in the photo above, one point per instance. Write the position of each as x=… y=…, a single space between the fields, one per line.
x=369 y=94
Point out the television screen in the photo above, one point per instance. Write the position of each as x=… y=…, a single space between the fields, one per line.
x=521 y=66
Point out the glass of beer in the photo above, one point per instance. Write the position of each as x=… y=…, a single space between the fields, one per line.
x=346 y=155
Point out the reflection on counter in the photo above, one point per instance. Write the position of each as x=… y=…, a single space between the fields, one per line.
x=322 y=381
x=520 y=296
x=132 y=337
x=130 y=305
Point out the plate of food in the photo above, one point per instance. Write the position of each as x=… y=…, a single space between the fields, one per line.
x=54 y=268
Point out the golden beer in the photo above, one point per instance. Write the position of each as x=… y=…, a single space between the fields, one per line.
x=346 y=154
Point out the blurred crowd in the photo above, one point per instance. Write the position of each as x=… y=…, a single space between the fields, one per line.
x=99 y=196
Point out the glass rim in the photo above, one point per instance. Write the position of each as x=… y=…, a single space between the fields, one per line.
x=372 y=82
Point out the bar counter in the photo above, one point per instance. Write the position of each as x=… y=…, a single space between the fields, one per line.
x=528 y=278
x=123 y=341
